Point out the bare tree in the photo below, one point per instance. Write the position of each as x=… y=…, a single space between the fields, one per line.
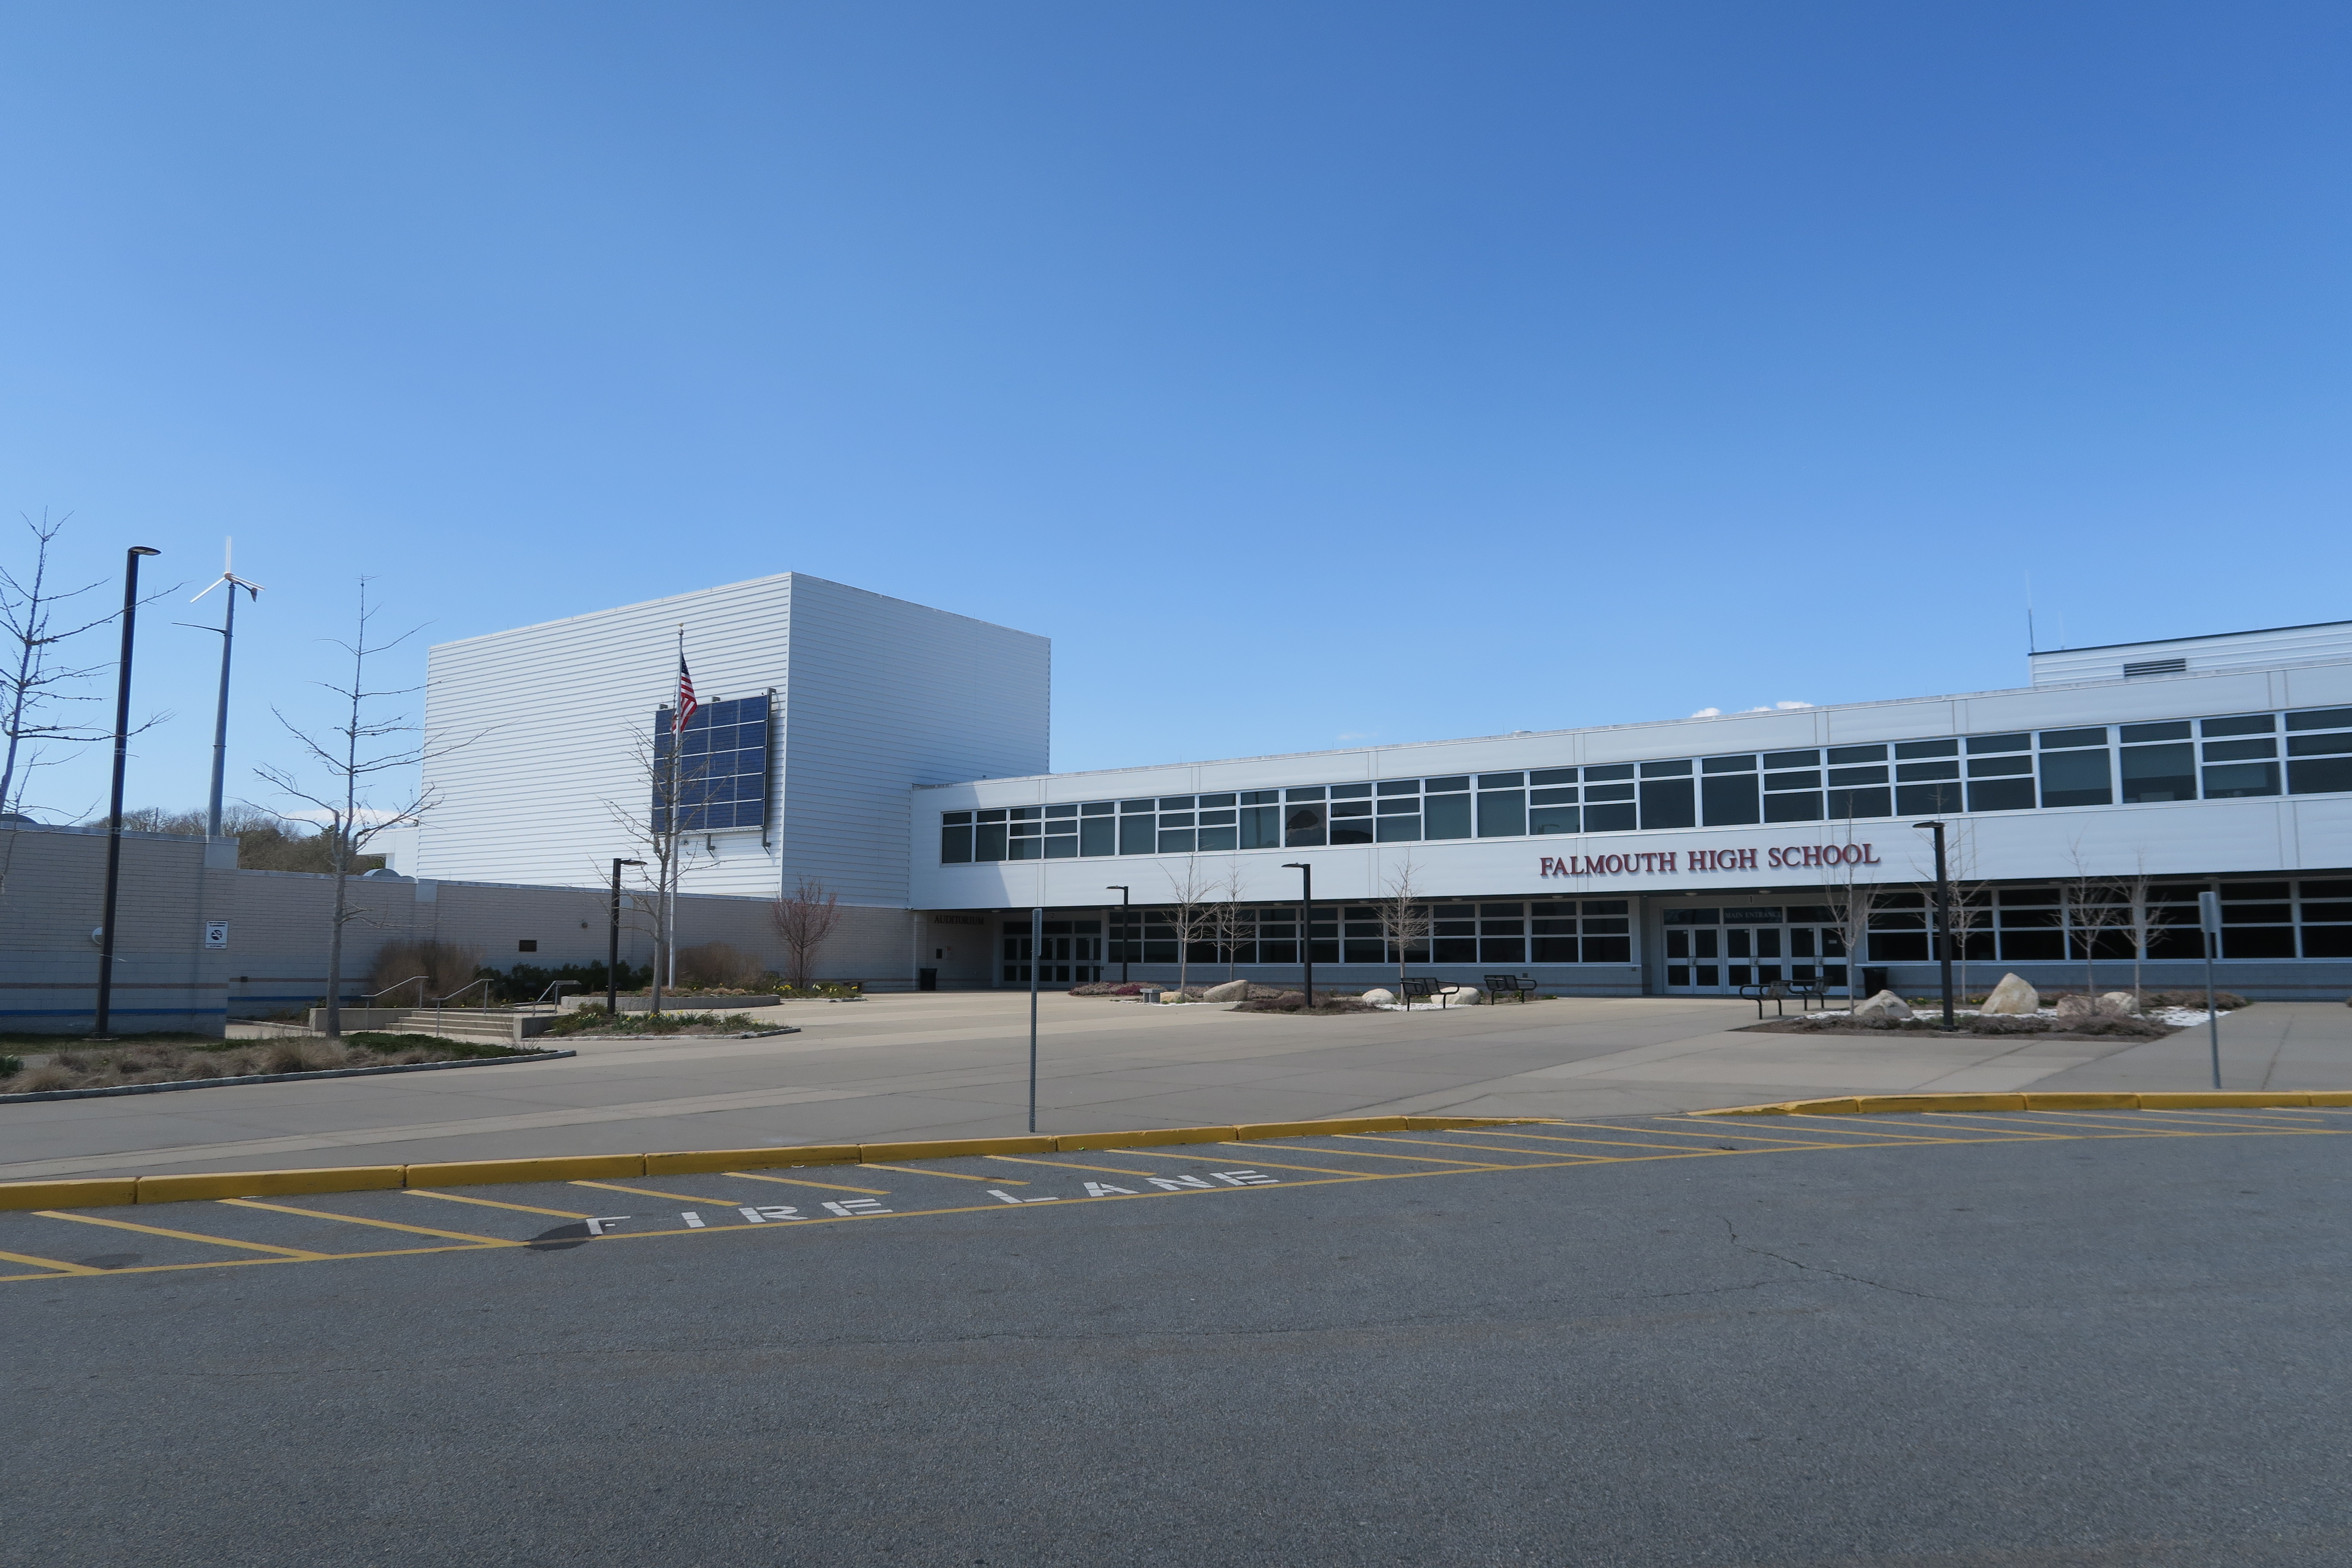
x=1850 y=902
x=1192 y=912
x=1971 y=910
x=37 y=685
x=1230 y=917
x=2092 y=906
x=355 y=754
x=650 y=825
x=2143 y=922
x=803 y=918
x=1404 y=918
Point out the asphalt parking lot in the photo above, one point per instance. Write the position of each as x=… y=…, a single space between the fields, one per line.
x=2083 y=1338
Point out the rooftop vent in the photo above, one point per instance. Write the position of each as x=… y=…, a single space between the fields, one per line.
x=2156 y=666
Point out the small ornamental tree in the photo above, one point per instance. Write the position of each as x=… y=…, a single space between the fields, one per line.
x=803 y=919
x=1404 y=918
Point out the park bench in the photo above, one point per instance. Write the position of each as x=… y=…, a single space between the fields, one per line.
x=1809 y=994
x=1421 y=989
x=1777 y=993
x=1513 y=986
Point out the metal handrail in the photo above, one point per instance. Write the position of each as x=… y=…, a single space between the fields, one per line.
x=396 y=985
x=556 y=986
x=461 y=990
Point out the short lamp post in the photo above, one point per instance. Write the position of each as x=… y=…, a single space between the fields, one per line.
x=114 y=807
x=613 y=946
x=1306 y=925
x=1114 y=888
x=1943 y=916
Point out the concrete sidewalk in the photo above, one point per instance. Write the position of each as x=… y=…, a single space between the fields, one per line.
x=955 y=1065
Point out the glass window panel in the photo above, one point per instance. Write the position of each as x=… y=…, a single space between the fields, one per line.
x=1219 y=837
x=2317 y=745
x=1730 y=800
x=1552 y=797
x=1027 y=813
x=2000 y=794
x=1352 y=808
x=1845 y=803
x=1446 y=816
x=1350 y=830
x=1857 y=775
x=1217 y=818
x=1175 y=819
x=1178 y=842
x=1136 y=832
x=1303 y=838
x=1608 y=792
x=2241 y=724
x=1501 y=814
x=955 y=844
x=1994 y=767
x=1694 y=916
x=1619 y=950
x=2235 y=781
x=2170 y=730
x=988 y=843
x=1175 y=803
x=1313 y=791
x=1027 y=829
x=1792 y=760
x=1261 y=827
x=955 y=817
x=2253 y=892
x=996 y=815
x=1552 y=819
x=1409 y=807
x=1261 y=796
x=2076 y=778
x=2158 y=773
x=1061 y=848
x=1607 y=818
x=1061 y=811
x=2232 y=750
x=1928 y=800
x=1668 y=802
x=1215 y=800
x=1926 y=748
x=1727 y=766
x=1552 y=776
x=1399 y=786
x=1503 y=949
x=1999 y=743
x=2318 y=891
x=1792 y=781
x=1800 y=807
x=2321 y=776
x=2065 y=739
x=1501 y=781
x=1915 y=772
x=2259 y=941
x=1857 y=754
x=1097 y=836
x=1665 y=770
x=2321 y=719
x=1458 y=782
x=2327 y=941
x=1097 y=809
x=1138 y=806
x=1302 y=818
x=1396 y=829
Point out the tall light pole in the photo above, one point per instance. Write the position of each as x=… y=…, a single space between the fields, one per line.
x=1036 y=950
x=613 y=946
x=114 y=797
x=1943 y=917
x=1114 y=888
x=227 y=629
x=1306 y=924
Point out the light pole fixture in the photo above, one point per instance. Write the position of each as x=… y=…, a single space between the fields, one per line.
x=613 y=946
x=1114 y=888
x=1036 y=950
x=1943 y=917
x=114 y=798
x=1306 y=924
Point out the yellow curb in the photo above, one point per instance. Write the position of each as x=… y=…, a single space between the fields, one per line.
x=268 y=1183
x=559 y=1168
x=106 y=1192
x=704 y=1161
x=1870 y=1104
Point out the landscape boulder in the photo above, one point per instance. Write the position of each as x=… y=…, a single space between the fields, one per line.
x=2118 y=1003
x=1885 y=1004
x=2012 y=995
x=1231 y=991
x=1464 y=997
x=1380 y=998
x=2074 y=1007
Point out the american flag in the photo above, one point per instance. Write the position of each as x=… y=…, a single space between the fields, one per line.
x=685 y=702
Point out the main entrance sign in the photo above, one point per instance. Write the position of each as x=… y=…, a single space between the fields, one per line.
x=1651 y=862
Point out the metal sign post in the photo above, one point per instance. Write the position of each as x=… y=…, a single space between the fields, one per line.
x=1037 y=946
x=2209 y=920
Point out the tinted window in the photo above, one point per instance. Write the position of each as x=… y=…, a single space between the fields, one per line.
x=1998 y=742
x=2173 y=729
x=1857 y=754
x=2059 y=740
x=1613 y=770
x=1928 y=749
x=1728 y=765
x=1793 y=759
x=2321 y=719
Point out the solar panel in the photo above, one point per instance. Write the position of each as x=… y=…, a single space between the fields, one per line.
x=721 y=774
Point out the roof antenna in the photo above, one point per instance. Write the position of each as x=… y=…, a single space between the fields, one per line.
x=2032 y=647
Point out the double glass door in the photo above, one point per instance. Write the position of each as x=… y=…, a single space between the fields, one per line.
x=1721 y=950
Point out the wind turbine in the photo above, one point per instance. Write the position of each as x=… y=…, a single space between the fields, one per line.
x=227 y=629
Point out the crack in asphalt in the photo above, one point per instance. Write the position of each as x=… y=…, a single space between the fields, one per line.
x=1837 y=1274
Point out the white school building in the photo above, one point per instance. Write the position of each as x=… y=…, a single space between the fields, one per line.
x=899 y=755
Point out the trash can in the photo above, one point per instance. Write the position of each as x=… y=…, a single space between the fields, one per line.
x=1874 y=981
x=1148 y=994
x=926 y=980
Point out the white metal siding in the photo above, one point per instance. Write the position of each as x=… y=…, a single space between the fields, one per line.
x=2230 y=651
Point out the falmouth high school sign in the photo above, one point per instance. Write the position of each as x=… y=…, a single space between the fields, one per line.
x=1650 y=862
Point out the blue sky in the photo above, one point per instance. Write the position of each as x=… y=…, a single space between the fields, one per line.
x=1309 y=373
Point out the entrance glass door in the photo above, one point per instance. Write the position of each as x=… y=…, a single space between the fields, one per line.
x=1718 y=950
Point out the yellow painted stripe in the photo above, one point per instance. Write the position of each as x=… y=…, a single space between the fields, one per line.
x=46 y=1263
x=182 y=1236
x=950 y=1175
x=1062 y=1165
x=378 y=1224
x=1490 y=1148
x=494 y=1204
x=1664 y=1148
x=1367 y=1154
x=1829 y=1126
x=650 y=1193
x=796 y=1182
x=1227 y=1161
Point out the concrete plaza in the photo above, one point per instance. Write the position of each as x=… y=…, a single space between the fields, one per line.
x=955 y=1065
